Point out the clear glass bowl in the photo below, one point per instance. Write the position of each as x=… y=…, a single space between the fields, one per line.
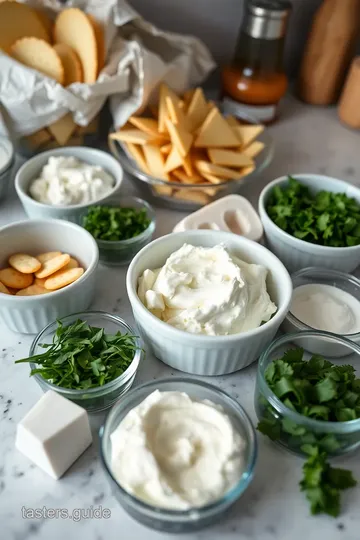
x=121 y=252
x=336 y=438
x=323 y=276
x=170 y=520
x=157 y=190
x=93 y=399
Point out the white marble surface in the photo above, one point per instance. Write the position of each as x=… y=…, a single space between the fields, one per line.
x=307 y=140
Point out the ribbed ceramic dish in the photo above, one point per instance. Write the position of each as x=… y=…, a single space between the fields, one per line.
x=32 y=168
x=196 y=353
x=30 y=314
x=297 y=254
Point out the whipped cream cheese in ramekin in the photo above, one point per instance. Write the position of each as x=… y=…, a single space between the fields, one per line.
x=207 y=291
x=177 y=453
x=66 y=180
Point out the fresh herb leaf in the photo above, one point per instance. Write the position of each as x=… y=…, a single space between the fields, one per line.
x=80 y=357
x=115 y=223
x=326 y=218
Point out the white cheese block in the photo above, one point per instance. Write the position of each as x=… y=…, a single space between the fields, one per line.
x=232 y=213
x=54 y=433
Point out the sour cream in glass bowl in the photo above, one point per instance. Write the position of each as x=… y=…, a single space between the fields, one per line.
x=50 y=187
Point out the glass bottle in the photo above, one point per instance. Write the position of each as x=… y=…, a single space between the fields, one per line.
x=255 y=81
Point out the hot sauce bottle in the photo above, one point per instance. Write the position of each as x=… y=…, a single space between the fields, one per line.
x=255 y=81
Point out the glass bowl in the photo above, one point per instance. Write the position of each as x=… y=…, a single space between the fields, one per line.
x=93 y=399
x=190 y=197
x=177 y=521
x=121 y=252
x=294 y=429
x=323 y=276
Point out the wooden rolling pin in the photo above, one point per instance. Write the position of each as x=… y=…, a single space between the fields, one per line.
x=349 y=104
x=329 y=50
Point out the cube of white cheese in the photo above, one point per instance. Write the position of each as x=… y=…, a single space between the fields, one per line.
x=54 y=433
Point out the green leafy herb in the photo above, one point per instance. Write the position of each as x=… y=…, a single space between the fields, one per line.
x=328 y=219
x=83 y=356
x=320 y=390
x=114 y=224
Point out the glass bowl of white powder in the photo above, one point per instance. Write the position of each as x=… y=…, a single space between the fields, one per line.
x=327 y=300
x=178 y=453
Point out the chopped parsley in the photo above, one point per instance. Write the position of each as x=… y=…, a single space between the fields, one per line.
x=324 y=218
x=320 y=390
x=115 y=223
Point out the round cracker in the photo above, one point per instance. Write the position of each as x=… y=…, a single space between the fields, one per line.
x=63 y=278
x=100 y=41
x=14 y=279
x=38 y=54
x=71 y=63
x=73 y=27
x=26 y=264
x=53 y=265
x=4 y=289
x=18 y=21
x=43 y=257
x=33 y=290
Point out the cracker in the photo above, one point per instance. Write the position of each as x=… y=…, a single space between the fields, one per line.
x=71 y=63
x=26 y=264
x=162 y=190
x=14 y=279
x=180 y=137
x=43 y=257
x=135 y=136
x=187 y=179
x=71 y=264
x=173 y=161
x=164 y=92
x=155 y=161
x=4 y=289
x=53 y=265
x=63 y=278
x=175 y=112
x=73 y=27
x=253 y=149
x=62 y=129
x=248 y=134
x=38 y=54
x=100 y=41
x=148 y=125
x=40 y=282
x=212 y=178
x=38 y=139
x=32 y=290
x=231 y=158
x=18 y=21
x=192 y=195
x=137 y=153
x=166 y=148
x=47 y=23
x=217 y=170
x=216 y=132
x=231 y=120
x=197 y=110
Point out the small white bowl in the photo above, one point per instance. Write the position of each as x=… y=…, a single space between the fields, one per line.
x=297 y=254
x=30 y=314
x=32 y=168
x=196 y=353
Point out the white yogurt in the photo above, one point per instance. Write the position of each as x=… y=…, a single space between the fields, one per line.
x=325 y=307
x=174 y=452
x=65 y=181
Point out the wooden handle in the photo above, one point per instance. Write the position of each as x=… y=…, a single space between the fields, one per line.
x=349 y=104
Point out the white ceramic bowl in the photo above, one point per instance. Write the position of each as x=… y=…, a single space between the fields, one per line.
x=32 y=168
x=297 y=254
x=30 y=314
x=200 y=354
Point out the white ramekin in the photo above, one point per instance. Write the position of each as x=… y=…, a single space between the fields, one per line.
x=297 y=254
x=30 y=314
x=32 y=168
x=194 y=353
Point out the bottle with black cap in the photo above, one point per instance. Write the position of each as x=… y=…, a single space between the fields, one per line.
x=255 y=81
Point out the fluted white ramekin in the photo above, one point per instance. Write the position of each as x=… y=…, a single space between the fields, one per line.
x=32 y=168
x=30 y=314
x=200 y=354
x=297 y=254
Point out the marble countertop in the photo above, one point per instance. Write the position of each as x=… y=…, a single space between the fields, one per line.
x=307 y=140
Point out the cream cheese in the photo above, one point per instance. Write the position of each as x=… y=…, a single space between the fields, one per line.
x=65 y=181
x=207 y=291
x=173 y=452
